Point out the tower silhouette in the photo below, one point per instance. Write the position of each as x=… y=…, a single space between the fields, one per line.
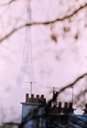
x=26 y=71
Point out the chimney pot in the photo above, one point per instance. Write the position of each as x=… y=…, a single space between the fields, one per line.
x=59 y=109
x=37 y=98
x=32 y=97
x=27 y=97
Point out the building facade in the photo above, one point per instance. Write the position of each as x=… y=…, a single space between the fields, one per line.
x=36 y=113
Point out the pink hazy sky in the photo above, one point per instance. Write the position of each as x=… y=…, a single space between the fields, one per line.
x=55 y=64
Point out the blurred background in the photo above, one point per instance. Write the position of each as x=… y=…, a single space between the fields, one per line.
x=59 y=44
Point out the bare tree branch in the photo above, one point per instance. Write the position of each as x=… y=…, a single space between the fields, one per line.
x=10 y=2
x=11 y=32
x=42 y=23
x=63 y=18
x=72 y=84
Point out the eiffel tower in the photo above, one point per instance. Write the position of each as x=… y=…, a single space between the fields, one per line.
x=26 y=72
